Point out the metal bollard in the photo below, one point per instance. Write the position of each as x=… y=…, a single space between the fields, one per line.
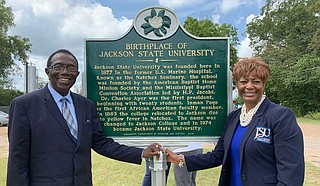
x=158 y=169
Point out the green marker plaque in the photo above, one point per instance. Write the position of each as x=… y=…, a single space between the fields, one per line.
x=158 y=82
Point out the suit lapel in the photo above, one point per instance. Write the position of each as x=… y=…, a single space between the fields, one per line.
x=252 y=125
x=80 y=116
x=229 y=133
x=55 y=111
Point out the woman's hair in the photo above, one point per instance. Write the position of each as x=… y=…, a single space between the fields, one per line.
x=245 y=66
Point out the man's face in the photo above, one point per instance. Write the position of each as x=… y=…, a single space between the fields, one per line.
x=62 y=73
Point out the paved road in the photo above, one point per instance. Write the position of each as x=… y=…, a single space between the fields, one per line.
x=311 y=142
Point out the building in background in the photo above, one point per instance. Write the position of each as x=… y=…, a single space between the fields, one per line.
x=31 y=78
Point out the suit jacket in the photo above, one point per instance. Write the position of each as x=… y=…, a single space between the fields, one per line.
x=41 y=148
x=271 y=151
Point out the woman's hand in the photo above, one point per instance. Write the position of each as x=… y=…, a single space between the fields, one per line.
x=172 y=157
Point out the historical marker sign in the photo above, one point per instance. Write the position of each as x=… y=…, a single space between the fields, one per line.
x=159 y=82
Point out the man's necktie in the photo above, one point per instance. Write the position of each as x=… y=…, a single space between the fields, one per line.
x=68 y=117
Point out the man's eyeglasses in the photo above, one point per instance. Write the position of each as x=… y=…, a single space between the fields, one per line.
x=60 y=67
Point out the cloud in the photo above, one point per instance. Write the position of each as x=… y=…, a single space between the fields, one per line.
x=176 y=4
x=215 y=18
x=47 y=8
x=228 y=5
x=239 y=20
x=94 y=21
x=244 y=50
x=57 y=24
x=250 y=18
x=51 y=25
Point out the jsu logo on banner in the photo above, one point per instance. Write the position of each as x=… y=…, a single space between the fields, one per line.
x=263 y=135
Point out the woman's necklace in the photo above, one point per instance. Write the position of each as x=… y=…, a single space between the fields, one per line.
x=245 y=118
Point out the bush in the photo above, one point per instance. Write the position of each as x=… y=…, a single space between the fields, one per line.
x=7 y=96
x=313 y=115
x=296 y=86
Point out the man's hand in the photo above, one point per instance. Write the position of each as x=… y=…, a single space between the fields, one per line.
x=152 y=150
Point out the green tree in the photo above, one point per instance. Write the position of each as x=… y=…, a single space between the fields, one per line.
x=11 y=47
x=298 y=87
x=7 y=95
x=206 y=28
x=286 y=30
x=287 y=36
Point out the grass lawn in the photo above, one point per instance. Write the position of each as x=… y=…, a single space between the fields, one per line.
x=108 y=172
x=309 y=121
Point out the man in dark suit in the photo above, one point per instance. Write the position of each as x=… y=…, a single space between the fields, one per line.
x=47 y=149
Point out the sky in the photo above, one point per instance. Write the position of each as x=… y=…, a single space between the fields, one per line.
x=52 y=25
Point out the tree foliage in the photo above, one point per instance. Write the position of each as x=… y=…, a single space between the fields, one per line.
x=7 y=95
x=297 y=86
x=11 y=47
x=206 y=28
x=287 y=36
x=286 y=30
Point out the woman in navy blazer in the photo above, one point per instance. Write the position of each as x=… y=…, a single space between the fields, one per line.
x=262 y=143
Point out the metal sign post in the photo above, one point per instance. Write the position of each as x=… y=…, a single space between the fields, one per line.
x=158 y=169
